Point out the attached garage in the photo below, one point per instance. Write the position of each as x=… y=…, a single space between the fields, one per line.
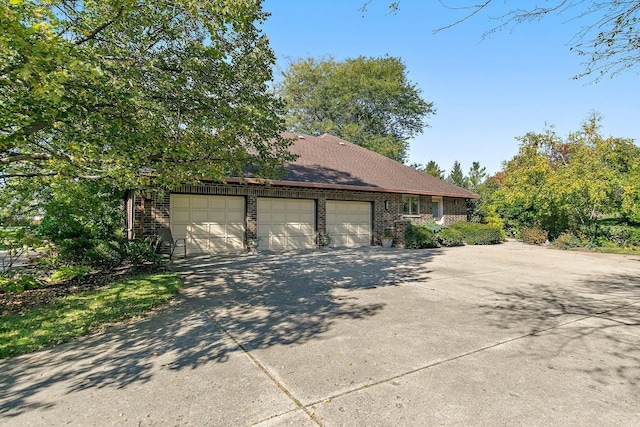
x=285 y=224
x=210 y=224
x=349 y=223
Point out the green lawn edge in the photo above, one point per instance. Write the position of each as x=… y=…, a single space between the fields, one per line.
x=80 y=314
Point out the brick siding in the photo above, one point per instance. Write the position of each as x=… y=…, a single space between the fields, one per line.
x=151 y=212
x=455 y=210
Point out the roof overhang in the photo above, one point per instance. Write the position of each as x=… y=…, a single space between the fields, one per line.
x=277 y=183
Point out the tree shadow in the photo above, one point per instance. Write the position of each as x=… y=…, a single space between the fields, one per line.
x=599 y=315
x=227 y=305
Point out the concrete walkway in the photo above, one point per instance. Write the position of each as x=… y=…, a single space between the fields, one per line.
x=501 y=335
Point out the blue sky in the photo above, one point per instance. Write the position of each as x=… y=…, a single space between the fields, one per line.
x=486 y=92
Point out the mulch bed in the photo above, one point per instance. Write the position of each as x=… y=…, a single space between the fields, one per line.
x=11 y=302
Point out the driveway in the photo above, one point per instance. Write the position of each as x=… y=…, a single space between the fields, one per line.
x=498 y=335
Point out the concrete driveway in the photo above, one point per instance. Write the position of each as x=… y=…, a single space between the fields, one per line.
x=500 y=335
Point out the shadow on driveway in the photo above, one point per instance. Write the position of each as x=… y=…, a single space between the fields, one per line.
x=273 y=299
x=603 y=310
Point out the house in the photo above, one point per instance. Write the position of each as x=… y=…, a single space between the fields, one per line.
x=335 y=192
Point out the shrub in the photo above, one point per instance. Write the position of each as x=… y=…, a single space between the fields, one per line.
x=567 y=240
x=70 y=272
x=84 y=219
x=19 y=283
x=419 y=237
x=478 y=234
x=93 y=252
x=73 y=250
x=104 y=254
x=533 y=235
x=432 y=225
x=624 y=236
x=450 y=237
x=139 y=251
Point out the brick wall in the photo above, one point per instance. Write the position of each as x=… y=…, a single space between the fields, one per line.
x=455 y=210
x=152 y=211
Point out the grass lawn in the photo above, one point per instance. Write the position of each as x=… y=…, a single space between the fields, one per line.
x=82 y=313
x=634 y=250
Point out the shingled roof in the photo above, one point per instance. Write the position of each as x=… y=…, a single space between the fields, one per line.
x=327 y=161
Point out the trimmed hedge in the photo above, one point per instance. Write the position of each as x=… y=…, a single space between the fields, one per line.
x=419 y=237
x=450 y=237
x=477 y=234
x=422 y=236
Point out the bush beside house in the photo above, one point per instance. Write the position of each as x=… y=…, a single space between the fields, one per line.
x=432 y=235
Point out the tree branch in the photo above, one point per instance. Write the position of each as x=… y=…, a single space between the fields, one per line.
x=27 y=175
x=24 y=158
x=96 y=31
x=477 y=8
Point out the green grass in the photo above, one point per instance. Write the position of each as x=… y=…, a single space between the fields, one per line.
x=83 y=313
x=634 y=250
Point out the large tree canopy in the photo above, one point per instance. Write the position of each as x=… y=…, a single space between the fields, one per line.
x=137 y=92
x=368 y=101
x=567 y=183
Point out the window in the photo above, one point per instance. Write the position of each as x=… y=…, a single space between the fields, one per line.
x=410 y=205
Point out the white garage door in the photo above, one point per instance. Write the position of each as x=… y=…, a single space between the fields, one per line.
x=211 y=224
x=349 y=223
x=285 y=224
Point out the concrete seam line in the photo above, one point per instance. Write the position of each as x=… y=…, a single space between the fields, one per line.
x=266 y=372
x=469 y=353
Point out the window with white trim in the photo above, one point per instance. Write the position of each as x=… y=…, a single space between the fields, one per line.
x=410 y=205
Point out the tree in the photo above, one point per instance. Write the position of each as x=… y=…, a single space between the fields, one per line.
x=457 y=177
x=433 y=169
x=609 y=40
x=139 y=93
x=568 y=183
x=368 y=101
x=476 y=176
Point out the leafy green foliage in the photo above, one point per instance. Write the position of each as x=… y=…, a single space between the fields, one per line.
x=477 y=234
x=139 y=251
x=432 y=235
x=367 y=101
x=70 y=272
x=419 y=237
x=450 y=237
x=567 y=240
x=82 y=313
x=139 y=92
x=432 y=225
x=16 y=241
x=534 y=235
x=456 y=176
x=477 y=176
x=19 y=283
x=433 y=169
x=84 y=218
x=566 y=184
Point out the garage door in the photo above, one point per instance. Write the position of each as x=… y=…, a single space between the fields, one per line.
x=285 y=224
x=211 y=224
x=349 y=223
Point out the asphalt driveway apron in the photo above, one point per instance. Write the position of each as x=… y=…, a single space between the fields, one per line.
x=500 y=335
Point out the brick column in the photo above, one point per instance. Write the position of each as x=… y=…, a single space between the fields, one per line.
x=321 y=220
x=252 y=217
x=401 y=226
